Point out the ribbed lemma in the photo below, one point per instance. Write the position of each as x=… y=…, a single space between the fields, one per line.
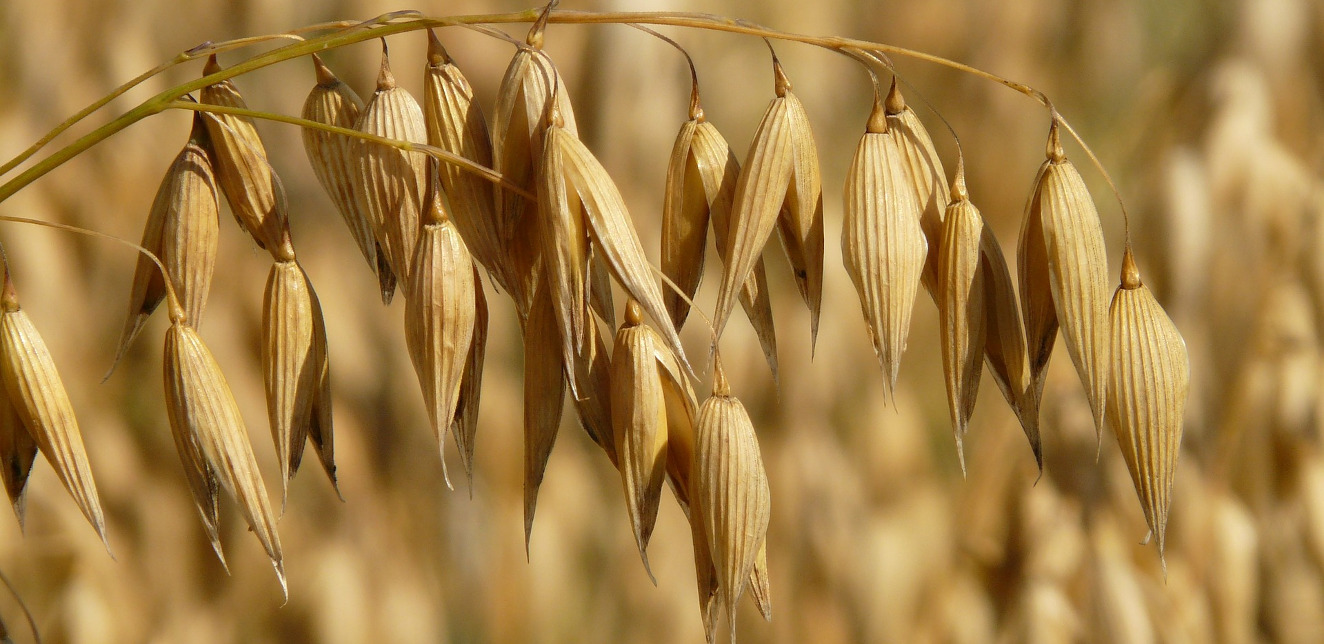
x=1078 y=275
x=801 y=219
x=1037 y=307
x=242 y=168
x=564 y=245
x=927 y=178
x=471 y=385
x=720 y=172
x=883 y=246
x=685 y=215
x=183 y=229
x=1150 y=381
x=291 y=372
x=760 y=192
x=42 y=404
x=334 y=157
x=639 y=415
x=17 y=452
x=455 y=123
x=732 y=489
x=392 y=181
x=544 y=396
x=439 y=323
x=202 y=408
x=961 y=313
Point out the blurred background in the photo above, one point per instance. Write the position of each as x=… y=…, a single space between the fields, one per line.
x=1208 y=114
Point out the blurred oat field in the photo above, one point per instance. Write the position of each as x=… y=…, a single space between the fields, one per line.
x=1210 y=115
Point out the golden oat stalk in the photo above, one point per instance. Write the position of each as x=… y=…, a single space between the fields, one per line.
x=640 y=423
x=440 y=312
x=183 y=231
x=295 y=370
x=210 y=430
x=245 y=175
x=882 y=243
x=392 y=182
x=778 y=183
x=700 y=187
x=962 y=308
x=1150 y=380
x=455 y=123
x=39 y=401
x=335 y=159
x=732 y=489
x=1062 y=249
x=17 y=453
x=926 y=173
x=465 y=425
x=523 y=102
x=544 y=397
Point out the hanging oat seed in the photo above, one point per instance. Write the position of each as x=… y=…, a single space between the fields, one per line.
x=926 y=174
x=961 y=308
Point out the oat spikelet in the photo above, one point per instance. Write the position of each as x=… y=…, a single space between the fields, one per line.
x=1036 y=293
x=245 y=175
x=639 y=416
x=439 y=317
x=732 y=489
x=471 y=385
x=335 y=160
x=183 y=231
x=455 y=123
x=544 y=396
x=685 y=212
x=565 y=254
x=293 y=364
x=517 y=143
x=203 y=411
x=392 y=181
x=17 y=452
x=1150 y=381
x=926 y=173
x=801 y=222
x=612 y=232
x=321 y=428
x=882 y=243
x=38 y=398
x=1004 y=341
x=961 y=308
x=1077 y=267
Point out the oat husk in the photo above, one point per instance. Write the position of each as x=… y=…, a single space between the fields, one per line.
x=245 y=175
x=544 y=397
x=42 y=406
x=800 y=224
x=565 y=252
x=961 y=309
x=465 y=425
x=17 y=453
x=882 y=243
x=183 y=231
x=335 y=161
x=1004 y=341
x=206 y=420
x=440 y=313
x=392 y=182
x=732 y=489
x=926 y=173
x=1150 y=380
x=591 y=373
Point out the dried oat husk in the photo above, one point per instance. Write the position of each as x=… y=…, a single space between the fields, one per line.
x=295 y=369
x=523 y=101
x=41 y=404
x=961 y=308
x=882 y=243
x=732 y=490
x=1004 y=341
x=205 y=417
x=17 y=452
x=565 y=253
x=705 y=573
x=1150 y=380
x=685 y=213
x=639 y=417
x=544 y=396
x=440 y=312
x=455 y=123
x=778 y=187
x=465 y=425
x=183 y=232
x=610 y=229
x=1076 y=266
x=926 y=173
x=335 y=161
x=591 y=373
x=245 y=175
x=392 y=182
x=321 y=426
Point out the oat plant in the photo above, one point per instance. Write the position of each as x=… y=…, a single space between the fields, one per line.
x=450 y=202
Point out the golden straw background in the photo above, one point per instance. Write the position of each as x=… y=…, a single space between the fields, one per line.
x=1208 y=114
